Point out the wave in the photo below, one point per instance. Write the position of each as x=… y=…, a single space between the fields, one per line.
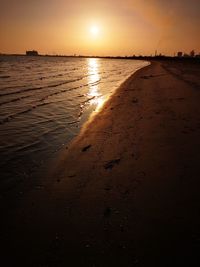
x=12 y=116
x=4 y=77
x=54 y=93
x=42 y=87
x=14 y=100
x=38 y=88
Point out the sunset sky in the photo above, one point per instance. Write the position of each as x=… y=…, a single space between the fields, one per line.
x=106 y=27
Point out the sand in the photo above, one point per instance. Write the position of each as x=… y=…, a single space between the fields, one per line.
x=125 y=192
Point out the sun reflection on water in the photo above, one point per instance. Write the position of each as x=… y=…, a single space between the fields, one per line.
x=97 y=100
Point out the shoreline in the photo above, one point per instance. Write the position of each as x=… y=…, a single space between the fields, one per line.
x=26 y=148
x=125 y=192
x=83 y=129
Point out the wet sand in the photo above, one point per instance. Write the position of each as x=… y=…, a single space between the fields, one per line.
x=126 y=191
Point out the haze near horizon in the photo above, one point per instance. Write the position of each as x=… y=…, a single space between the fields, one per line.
x=100 y=27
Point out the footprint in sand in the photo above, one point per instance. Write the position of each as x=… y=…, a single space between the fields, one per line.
x=110 y=164
x=86 y=148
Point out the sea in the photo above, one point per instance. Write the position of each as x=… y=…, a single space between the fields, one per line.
x=44 y=101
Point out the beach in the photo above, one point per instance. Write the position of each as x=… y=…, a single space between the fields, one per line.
x=125 y=192
x=44 y=101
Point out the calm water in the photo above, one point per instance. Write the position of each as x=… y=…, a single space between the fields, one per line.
x=43 y=103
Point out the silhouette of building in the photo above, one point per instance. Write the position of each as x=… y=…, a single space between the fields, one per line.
x=179 y=54
x=32 y=53
x=192 y=53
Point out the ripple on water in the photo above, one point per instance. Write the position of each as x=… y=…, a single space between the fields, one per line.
x=45 y=100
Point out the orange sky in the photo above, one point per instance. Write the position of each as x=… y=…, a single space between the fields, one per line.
x=125 y=27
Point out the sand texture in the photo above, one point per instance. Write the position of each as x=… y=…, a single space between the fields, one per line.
x=126 y=192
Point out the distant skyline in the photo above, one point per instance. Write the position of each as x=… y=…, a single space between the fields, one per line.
x=100 y=28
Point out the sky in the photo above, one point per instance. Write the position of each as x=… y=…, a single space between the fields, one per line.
x=128 y=27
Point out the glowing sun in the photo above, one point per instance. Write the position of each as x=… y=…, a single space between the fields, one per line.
x=94 y=30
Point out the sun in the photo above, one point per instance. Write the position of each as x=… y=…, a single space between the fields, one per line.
x=94 y=30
